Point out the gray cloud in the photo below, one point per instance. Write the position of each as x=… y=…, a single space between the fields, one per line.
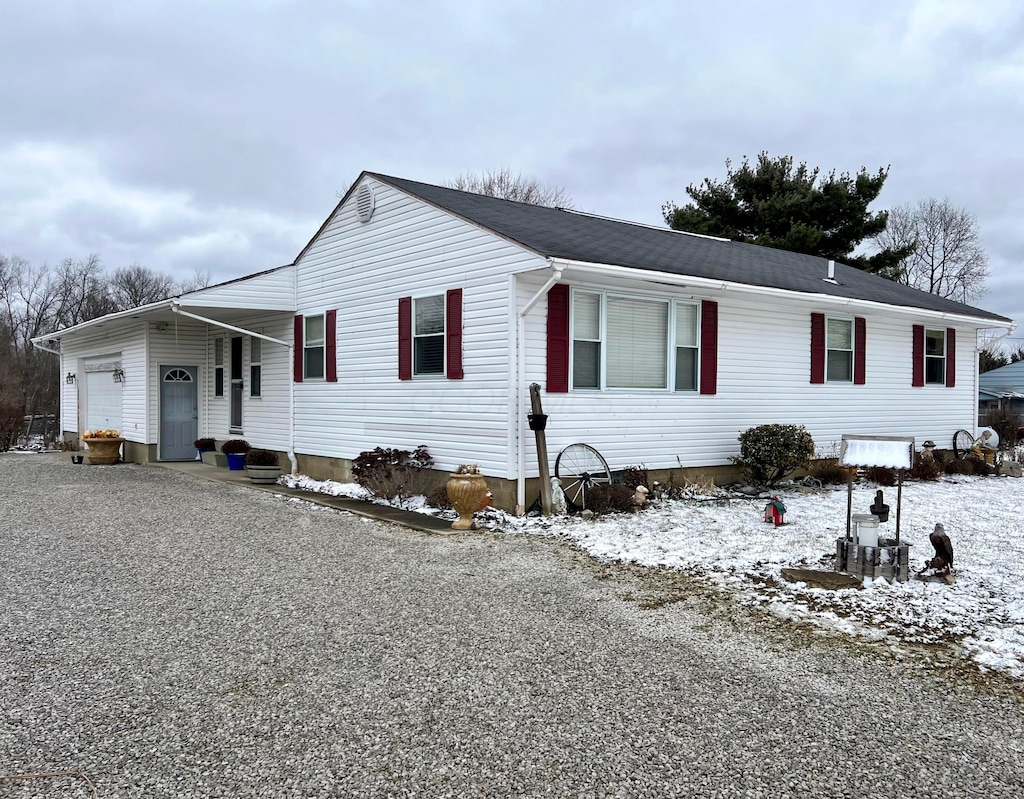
x=218 y=136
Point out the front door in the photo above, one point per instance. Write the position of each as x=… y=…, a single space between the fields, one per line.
x=179 y=413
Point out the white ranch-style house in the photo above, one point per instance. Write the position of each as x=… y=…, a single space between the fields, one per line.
x=421 y=315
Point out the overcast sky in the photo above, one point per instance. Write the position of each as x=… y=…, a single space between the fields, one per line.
x=218 y=135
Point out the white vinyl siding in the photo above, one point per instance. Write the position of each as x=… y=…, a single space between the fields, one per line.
x=839 y=350
x=762 y=379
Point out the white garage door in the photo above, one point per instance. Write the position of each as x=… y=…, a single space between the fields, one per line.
x=102 y=401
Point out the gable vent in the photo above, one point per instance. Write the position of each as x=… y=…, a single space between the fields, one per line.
x=364 y=203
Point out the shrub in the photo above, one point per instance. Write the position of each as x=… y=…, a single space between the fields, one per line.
x=926 y=470
x=980 y=468
x=603 y=498
x=633 y=476
x=236 y=446
x=393 y=473
x=770 y=452
x=829 y=472
x=959 y=466
x=262 y=457
x=205 y=443
x=882 y=475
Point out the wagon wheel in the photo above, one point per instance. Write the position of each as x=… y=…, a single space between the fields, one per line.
x=580 y=467
x=962 y=443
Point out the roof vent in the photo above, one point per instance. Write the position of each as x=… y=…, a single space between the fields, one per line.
x=364 y=203
x=831 y=273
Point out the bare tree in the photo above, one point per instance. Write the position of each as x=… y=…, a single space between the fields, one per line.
x=135 y=285
x=506 y=186
x=199 y=280
x=948 y=258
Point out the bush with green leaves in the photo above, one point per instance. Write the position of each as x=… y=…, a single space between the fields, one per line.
x=771 y=452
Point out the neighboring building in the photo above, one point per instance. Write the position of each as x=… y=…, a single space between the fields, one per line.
x=1001 y=388
x=421 y=315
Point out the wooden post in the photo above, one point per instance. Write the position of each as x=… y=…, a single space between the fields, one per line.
x=850 y=472
x=542 y=452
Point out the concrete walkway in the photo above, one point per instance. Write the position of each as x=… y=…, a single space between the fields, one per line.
x=384 y=513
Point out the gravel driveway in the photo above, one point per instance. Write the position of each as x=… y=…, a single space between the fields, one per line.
x=174 y=637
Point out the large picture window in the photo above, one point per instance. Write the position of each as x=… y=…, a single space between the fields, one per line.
x=621 y=342
x=428 y=335
x=839 y=350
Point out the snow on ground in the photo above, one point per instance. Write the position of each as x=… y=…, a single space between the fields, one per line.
x=725 y=540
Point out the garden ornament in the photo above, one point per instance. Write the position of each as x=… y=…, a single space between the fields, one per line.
x=943 y=560
x=775 y=512
x=640 y=496
x=558 y=506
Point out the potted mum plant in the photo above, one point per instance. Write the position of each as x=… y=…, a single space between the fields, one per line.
x=104 y=446
x=236 y=449
x=204 y=445
x=263 y=466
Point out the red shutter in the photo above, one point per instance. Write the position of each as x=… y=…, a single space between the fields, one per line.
x=331 y=346
x=950 y=357
x=918 y=378
x=405 y=338
x=860 y=333
x=709 y=347
x=453 y=335
x=558 y=339
x=817 y=348
x=298 y=341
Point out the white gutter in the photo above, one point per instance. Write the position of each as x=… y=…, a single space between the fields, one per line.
x=557 y=269
x=175 y=306
x=728 y=285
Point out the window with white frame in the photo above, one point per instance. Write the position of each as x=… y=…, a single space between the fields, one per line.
x=623 y=342
x=313 y=348
x=428 y=335
x=687 y=339
x=218 y=367
x=839 y=350
x=935 y=357
x=255 y=367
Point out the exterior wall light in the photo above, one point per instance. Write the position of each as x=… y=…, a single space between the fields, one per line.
x=70 y=379
x=119 y=375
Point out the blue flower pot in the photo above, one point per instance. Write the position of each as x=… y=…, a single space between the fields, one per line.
x=236 y=461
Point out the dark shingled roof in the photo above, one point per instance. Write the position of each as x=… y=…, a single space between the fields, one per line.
x=555 y=233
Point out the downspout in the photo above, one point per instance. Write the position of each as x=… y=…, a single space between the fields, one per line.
x=556 y=275
x=176 y=308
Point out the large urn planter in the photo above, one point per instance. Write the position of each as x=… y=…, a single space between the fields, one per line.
x=466 y=490
x=104 y=451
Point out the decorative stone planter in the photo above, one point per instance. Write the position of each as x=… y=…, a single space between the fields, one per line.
x=466 y=492
x=263 y=475
x=103 y=451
